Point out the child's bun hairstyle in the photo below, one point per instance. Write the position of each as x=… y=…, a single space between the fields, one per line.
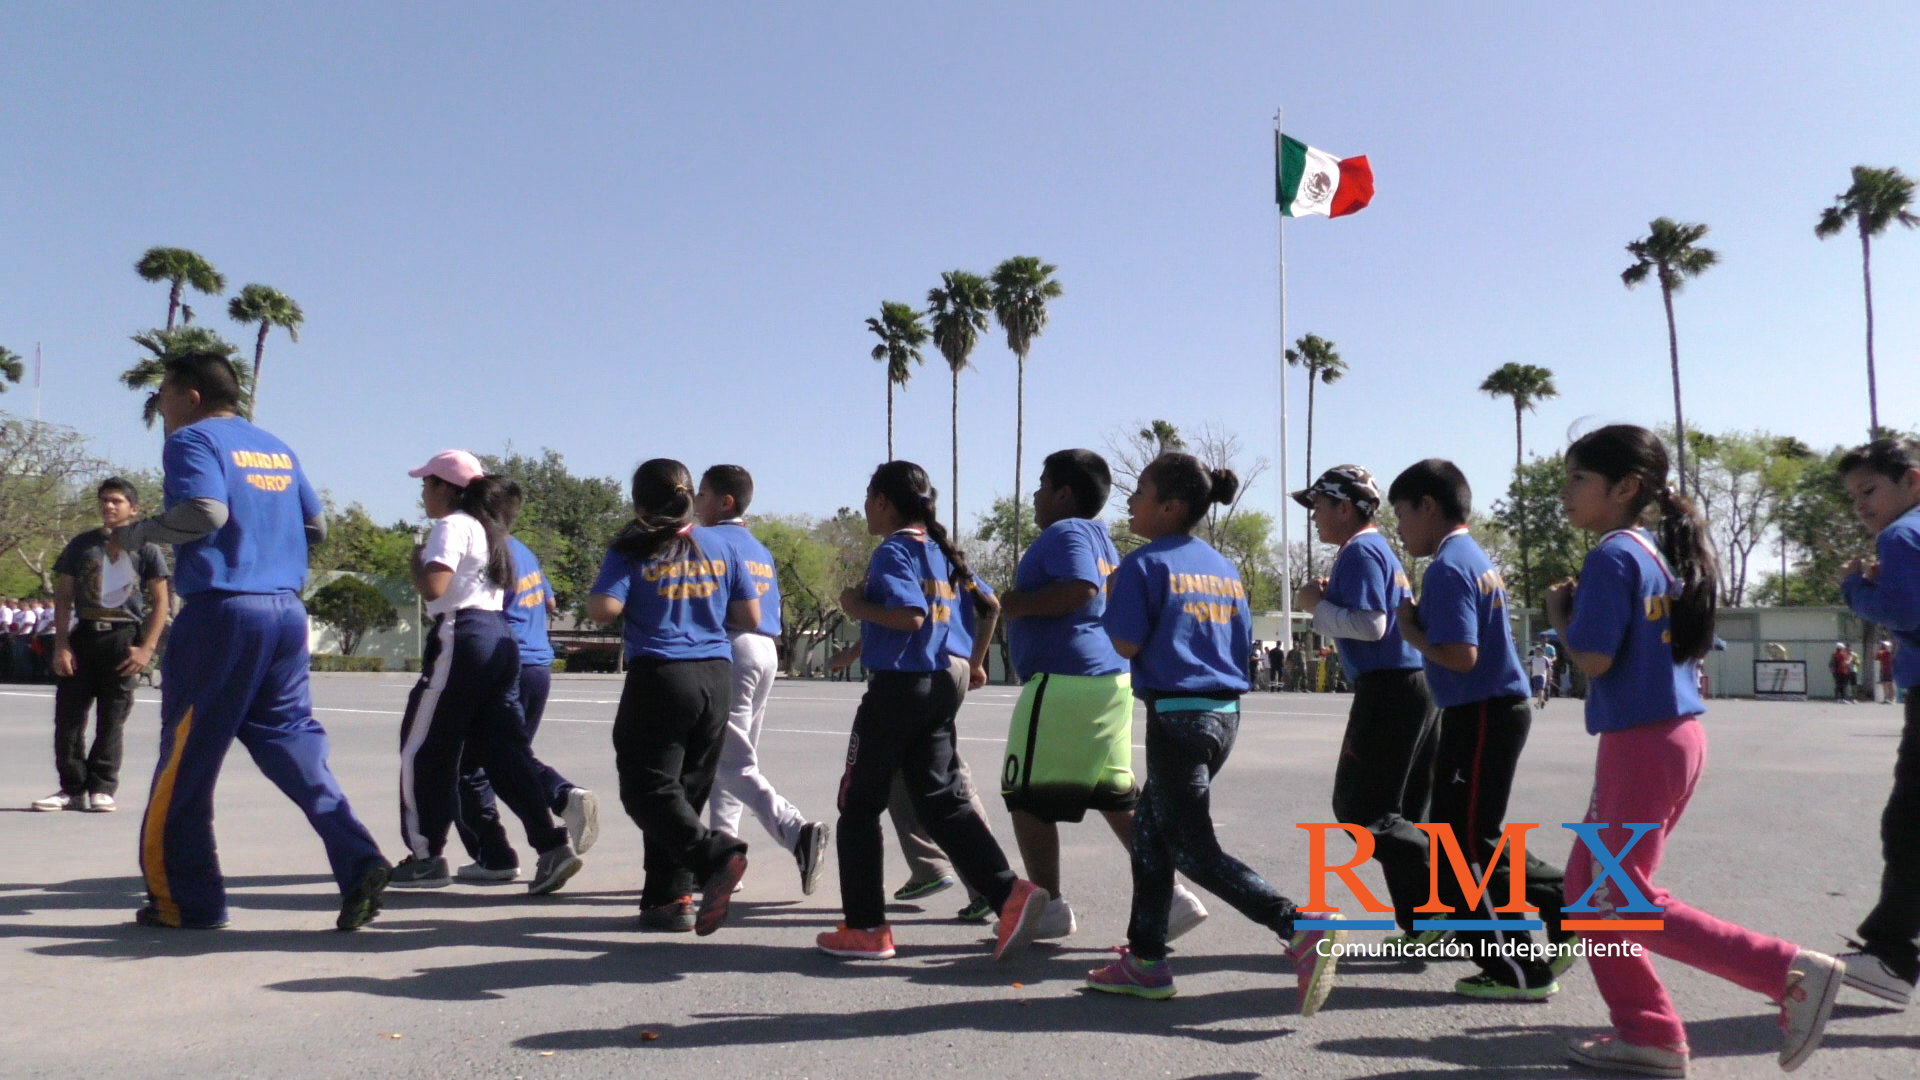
x=662 y=512
x=1175 y=475
x=906 y=488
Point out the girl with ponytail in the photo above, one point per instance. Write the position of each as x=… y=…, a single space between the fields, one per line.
x=1177 y=610
x=910 y=629
x=678 y=594
x=1637 y=623
x=467 y=702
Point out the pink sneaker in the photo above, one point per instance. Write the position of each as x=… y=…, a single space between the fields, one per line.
x=1311 y=967
x=1019 y=918
x=1133 y=978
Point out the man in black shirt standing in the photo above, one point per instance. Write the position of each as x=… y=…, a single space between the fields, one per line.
x=120 y=601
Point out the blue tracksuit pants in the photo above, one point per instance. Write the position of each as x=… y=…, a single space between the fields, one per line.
x=236 y=668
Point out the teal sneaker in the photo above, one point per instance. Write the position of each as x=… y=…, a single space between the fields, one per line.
x=919 y=890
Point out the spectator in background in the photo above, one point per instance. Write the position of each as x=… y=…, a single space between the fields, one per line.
x=1883 y=670
x=1840 y=666
x=6 y=639
x=1277 y=666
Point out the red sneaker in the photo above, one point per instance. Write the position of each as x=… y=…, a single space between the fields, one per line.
x=874 y=944
x=1019 y=918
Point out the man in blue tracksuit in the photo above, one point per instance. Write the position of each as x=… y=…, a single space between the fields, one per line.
x=241 y=515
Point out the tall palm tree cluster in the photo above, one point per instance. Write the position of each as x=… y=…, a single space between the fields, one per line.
x=259 y=306
x=1015 y=295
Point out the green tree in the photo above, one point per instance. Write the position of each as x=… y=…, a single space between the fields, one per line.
x=809 y=589
x=47 y=474
x=356 y=544
x=957 y=311
x=180 y=268
x=1556 y=548
x=566 y=520
x=901 y=335
x=270 y=308
x=12 y=368
x=1875 y=200
x=1527 y=385
x=1022 y=287
x=1671 y=252
x=354 y=608
x=150 y=370
x=990 y=550
x=1818 y=522
x=1323 y=364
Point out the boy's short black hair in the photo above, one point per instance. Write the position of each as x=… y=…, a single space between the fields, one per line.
x=731 y=480
x=1439 y=479
x=1083 y=472
x=209 y=373
x=1891 y=458
x=124 y=487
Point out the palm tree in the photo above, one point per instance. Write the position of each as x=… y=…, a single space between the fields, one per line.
x=270 y=308
x=901 y=334
x=1527 y=385
x=1021 y=288
x=182 y=268
x=1669 y=248
x=1877 y=199
x=1323 y=364
x=13 y=368
x=958 y=312
x=163 y=345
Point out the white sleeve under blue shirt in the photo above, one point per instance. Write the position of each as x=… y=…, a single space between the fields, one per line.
x=1892 y=598
x=908 y=571
x=526 y=606
x=262 y=548
x=1463 y=601
x=1367 y=576
x=1182 y=602
x=1077 y=549
x=1623 y=608
x=676 y=609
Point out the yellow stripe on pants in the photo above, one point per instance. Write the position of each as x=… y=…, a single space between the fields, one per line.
x=153 y=839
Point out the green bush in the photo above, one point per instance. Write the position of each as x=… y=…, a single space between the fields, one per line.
x=559 y=665
x=413 y=664
x=335 y=662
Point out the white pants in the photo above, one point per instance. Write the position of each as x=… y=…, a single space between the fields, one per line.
x=738 y=783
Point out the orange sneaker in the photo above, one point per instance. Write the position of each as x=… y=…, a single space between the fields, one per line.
x=874 y=944
x=1019 y=918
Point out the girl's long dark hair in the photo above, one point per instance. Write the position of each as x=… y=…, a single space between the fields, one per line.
x=1622 y=450
x=1175 y=475
x=662 y=510
x=906 y=488
x=493 y=501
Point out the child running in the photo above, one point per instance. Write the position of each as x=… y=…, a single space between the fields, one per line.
x=1177 y=610
x=1883 y=480
x=721 y=504
x=466 y=705
x=1637 y=624
x=1460 y=627
x=529 y=603
x=681 y=591
x=1070 y=742
x=905 y=723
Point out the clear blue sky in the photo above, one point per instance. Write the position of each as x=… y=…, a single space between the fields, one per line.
x=624 y=233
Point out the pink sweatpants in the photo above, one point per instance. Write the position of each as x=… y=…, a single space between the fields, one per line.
x=1647 y=773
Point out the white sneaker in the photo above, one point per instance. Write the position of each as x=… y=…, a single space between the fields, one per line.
x=582 y=817
x=473 y=871
x=101 y=804
x=1058 y=921
x=1868 y=972
x=60 y=800
x=1610 y=1054
x=1813 y=982
x=1186 y=912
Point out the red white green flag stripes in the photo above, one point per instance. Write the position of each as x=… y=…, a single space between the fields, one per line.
x=1315 y=182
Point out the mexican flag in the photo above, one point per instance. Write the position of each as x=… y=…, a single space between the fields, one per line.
x=1315 y=182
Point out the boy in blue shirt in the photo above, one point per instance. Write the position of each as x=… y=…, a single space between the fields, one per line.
x=1385 y=770
x=1460 y=627
x=241 y=514
x=1883 y=480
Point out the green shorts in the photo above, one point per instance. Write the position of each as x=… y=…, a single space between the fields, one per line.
x=1070 y=747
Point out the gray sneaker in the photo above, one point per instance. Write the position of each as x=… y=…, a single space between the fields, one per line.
x=810 y=851
x=582 y=818
x=417 y=873
x=556 y=866
x=475 y=871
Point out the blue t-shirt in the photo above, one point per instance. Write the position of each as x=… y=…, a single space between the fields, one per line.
x=1463 y=601
x=1623 y=608
x=677 y=609
x=1183 y=604
x=966 y=622
x=1892 y=599
x=908 y=571
x=263 y=546
x=1077 y=549
x=1367 y=576
x=526 y=606
x=748 y=549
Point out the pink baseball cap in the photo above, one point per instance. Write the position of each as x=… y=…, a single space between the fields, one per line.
x=456 y=467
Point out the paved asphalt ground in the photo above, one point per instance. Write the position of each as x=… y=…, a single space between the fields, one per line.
x=473 y=981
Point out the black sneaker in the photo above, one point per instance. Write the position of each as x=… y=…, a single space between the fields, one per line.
x=716 y=896
x=672 y=917
x=978 y=911
x=810 y=851
x=361 y=904
x=417 y=873
x=555 y=867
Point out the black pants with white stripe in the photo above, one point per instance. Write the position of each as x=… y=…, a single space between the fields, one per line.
x=467 y=701
x=1479 y=751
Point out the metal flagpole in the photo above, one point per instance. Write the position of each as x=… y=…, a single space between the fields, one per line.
x=1286 y=548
